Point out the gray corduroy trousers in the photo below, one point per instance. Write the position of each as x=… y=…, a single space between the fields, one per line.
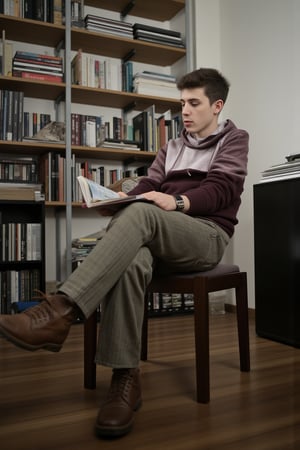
x=116 y=273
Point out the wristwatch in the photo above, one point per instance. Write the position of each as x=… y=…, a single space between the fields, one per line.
x=179 y=203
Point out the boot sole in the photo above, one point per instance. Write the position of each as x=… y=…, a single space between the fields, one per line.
x=116 y=432
x=48 y=346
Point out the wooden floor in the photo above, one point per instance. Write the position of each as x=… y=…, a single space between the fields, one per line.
x=43 y=405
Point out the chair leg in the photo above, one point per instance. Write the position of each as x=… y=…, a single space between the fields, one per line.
x=201 y=320
x=242 y=323
x=90 y=343
x=144 y=338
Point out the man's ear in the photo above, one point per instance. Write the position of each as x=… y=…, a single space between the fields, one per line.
x=218 y=106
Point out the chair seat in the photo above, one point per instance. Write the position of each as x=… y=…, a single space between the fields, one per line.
x=218 y=270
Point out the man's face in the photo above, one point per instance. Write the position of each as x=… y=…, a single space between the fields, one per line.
x=199 y=116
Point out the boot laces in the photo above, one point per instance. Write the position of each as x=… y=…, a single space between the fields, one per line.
x=42 y=312
x=121 y=384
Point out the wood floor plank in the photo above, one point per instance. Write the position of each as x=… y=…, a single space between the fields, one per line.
x=44 y=405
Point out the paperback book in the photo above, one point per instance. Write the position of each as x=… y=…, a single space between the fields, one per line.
x=95 y=195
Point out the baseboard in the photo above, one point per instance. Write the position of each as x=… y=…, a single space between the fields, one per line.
x=232 y=309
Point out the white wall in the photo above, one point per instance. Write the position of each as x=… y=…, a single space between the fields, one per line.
x=255 y=44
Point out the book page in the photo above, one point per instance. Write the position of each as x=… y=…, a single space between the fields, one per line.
x=99 y=192
x=93 y=192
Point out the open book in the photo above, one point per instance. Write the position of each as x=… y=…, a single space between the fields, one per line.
x=95 y=195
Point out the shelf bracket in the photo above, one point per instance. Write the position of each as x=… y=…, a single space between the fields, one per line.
x=60 y=99
x=127 y=9
x=129 y=107
x=129 y=161
x=129 y=55
x=59 y=46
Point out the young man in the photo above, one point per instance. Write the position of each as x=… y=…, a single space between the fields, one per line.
x=195 y=183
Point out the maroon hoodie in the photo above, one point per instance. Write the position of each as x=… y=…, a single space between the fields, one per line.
x=209 y=171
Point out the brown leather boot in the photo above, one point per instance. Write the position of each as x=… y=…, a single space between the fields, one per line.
x=44 y=326
x=116 y=416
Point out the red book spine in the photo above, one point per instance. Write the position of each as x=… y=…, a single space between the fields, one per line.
x=37 y=76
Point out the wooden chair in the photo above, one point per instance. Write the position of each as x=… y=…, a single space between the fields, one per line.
x=200 y=284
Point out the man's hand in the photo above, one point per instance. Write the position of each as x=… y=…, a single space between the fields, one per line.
x=122 y=194
x=166 y=201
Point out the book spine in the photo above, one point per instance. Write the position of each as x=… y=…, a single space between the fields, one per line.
x=37 y=60
x=9 y=129
x=20 y=116
x=1 y=114
x=140 y=26
x=38 y=57
x=57 y=12
x=37 y=76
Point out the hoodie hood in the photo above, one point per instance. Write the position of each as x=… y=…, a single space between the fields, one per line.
x=190 y=152
x=191 y=141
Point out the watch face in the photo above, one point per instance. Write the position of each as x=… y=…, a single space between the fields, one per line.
x=179 y=203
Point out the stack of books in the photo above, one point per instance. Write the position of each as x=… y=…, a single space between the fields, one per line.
x=21 y=191
x=155 y=84
x=108 y=26
x=123 y=144
x=38 y=66
x=286 y=170
x=19 y=178
x=81 y=247
x=157 y=35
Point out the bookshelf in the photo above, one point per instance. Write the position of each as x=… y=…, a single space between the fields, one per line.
x=22 y=252
x=70 y=39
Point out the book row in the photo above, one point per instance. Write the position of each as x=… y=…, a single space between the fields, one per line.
x=15 y=123
x=89 y=70
x=93 y=131
x=52 y=174
x=20 y=242
x=153 y=132
x=17 y=286
x=33 y=122
x=86 y=70
x=44 y=10
x=164 y=303
x=18 y=169
x=146 y=129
